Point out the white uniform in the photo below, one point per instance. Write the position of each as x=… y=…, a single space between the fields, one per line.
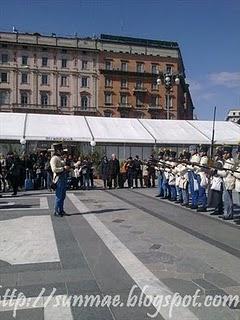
x=228 y=177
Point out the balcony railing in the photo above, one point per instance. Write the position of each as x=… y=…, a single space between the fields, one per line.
x=140 y=89
x=34 y=107
x=84 y=110
x=154 y=107
x=124 y=106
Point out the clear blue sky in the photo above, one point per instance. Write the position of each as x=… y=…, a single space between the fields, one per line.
x=208 y=32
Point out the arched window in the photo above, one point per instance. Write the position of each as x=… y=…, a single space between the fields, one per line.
x=84 y=102
x=44 y=98
x=24 y=98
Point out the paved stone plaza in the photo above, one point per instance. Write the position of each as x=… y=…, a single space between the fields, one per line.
x=109 y=242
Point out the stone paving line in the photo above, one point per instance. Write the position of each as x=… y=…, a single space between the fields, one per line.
x=115 y=222
x=139 y=222
x=138 y=272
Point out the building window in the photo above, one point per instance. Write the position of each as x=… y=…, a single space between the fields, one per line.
x=84 y=102
x=64 y=63
x=24 y=98
x=24 y=60
x=84 y=64
x=84 y=82
x=154 y=85
x=44 y=79
x=155 y=101
x=108 y=98
x=64 y=81
x=44 y=61
x=108 y=82
x=108 y=65
x=140 y=67
x=139 y=100
x=24 y=77
x=4 y=58
x=168 y=69
x=139 y=84
x=44 y=98
x=124 y=66
x=63 y=100
x=168 y=102
x=123 y=99
x=107 y=113
x=124 y=83
x=4 y=97
x=154 y=68
x=4 y=77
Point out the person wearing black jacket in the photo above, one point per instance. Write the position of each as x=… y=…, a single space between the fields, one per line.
x=130 y=172
x=114 y=169
x=104 y=171
x=138 y=171
x=15 y=172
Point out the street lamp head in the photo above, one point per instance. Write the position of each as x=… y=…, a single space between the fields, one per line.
x=167 y=79
x=92 y=143
x=177 y=80
x=159 y=81
x=23 y=141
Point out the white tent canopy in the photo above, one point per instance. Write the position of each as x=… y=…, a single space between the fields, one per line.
x=225 y=132
x=56 y=127
x=44 y=127
x=12 y=126
x=174 y=132
x=119 y=130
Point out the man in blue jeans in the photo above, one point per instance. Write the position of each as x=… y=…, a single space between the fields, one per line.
x=60 y=172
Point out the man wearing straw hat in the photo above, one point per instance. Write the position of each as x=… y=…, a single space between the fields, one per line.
x=59 y=170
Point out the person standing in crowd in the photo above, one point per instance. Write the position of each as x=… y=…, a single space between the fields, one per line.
x=122 y=177
x=159 y=170
x=130 y=172
x=114 y=169
x=138 y=174
x=60 y=173
x=85 y=170
x=91 y=173
x=228 y=183
x=104 y=171
x=15 y=173
x=151 y=164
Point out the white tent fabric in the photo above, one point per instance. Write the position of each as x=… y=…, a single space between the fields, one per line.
x=225 y=132
x=57 y=127
x=12 y=126
x=174 y=132
x=122 y=130
x=42 y=127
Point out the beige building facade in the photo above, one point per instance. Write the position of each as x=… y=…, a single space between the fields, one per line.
x=107 y=76
x=47 y=74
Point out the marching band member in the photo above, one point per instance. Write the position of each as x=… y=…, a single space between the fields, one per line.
x=172 y=176
x=184 y=181
x=192 y=176
x=159 y=171
x=202 y=180
x=166 y=187
x=228 y=183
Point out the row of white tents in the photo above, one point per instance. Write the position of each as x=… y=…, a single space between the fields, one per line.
x=42 y=127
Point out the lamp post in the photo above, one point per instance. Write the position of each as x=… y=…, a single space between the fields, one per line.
x=92 y=144
x=23 y=144
x=168 y=80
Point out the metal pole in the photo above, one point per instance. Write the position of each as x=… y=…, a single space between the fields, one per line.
x=213 y=132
